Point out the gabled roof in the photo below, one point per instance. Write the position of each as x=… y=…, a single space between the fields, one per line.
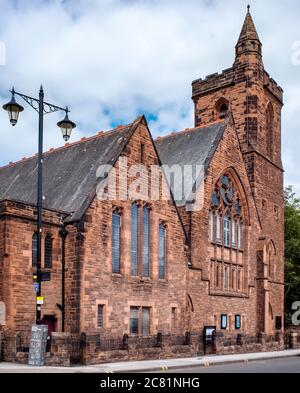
x=194 y=147
x=69 y=172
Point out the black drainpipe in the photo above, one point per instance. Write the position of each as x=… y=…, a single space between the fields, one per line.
x=63 y=233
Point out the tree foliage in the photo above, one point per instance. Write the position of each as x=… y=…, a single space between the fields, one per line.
x=292 y=251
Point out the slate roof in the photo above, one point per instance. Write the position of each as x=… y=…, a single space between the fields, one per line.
x=69 y=172
x=194 y=147
x=70 y=178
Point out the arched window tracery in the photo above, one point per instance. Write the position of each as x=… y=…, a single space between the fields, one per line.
x=228 y=220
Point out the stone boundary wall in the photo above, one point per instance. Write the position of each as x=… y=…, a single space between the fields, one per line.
x=67 y=349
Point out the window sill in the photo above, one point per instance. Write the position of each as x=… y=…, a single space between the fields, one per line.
x=117 y=275
x=163 y=281
x=141 y=280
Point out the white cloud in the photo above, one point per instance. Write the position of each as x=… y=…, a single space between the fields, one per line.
x=115 y=59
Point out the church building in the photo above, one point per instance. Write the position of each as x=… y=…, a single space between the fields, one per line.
x=143 y=265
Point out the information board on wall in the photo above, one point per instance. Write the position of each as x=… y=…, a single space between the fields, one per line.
x=38 y=345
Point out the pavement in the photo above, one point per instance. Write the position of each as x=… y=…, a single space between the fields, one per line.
x=154 y=365
x=290 y=365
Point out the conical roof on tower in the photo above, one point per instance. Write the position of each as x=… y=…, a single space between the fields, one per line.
x=248 y=30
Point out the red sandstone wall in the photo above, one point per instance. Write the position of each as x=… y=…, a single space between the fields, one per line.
x=17 y=287
x=249 y=90
x=209 y=304
x=119 y=292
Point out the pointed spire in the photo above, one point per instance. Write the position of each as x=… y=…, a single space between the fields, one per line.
x=248 y=29
x=249 y=42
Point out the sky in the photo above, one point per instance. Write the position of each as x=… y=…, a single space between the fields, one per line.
x=113 y=60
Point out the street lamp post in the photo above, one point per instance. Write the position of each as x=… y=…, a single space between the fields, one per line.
x=66 y=125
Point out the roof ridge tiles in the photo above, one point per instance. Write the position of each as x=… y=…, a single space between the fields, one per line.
x=185 y=131
x=67 y=145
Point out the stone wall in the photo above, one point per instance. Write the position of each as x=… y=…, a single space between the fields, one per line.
x=17 y=226
x=69 y=349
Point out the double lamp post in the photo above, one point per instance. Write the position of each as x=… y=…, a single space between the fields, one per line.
x=66 y=126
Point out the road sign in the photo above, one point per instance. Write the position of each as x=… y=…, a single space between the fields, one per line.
x=36 y=287
x=46 y=276
x=40 y=300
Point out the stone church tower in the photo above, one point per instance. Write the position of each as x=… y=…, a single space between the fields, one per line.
x=255 y=101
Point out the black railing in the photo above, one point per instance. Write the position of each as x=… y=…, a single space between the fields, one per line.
x=113 y=344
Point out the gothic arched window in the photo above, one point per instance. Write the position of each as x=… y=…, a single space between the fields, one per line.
x=270 y=130
x=222 y=108
x=223 y=111
x=140 y=237
x=226 y=220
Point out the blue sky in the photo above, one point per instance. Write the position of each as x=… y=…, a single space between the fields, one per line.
x=112 y=60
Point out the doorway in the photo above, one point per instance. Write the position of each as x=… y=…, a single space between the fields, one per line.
x=51 y=322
